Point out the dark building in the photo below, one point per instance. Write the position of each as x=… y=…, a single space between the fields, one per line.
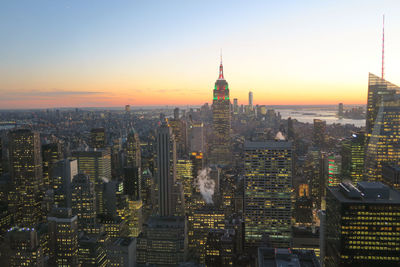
x=166 y=163
x=84 y=202
x=133 y=152
x=63 y=237
x=362 y=225
x=92 y=251
x=26 y=174
x=51 y=153
x=220 y=248
x=163 y=242
x=286 y=257
x=97 y=138
x=303 y=210
x=391 y=176
x=22 y=248
x=132 y=182
x=319 y=133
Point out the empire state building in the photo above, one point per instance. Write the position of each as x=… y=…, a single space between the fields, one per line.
x=221 y=141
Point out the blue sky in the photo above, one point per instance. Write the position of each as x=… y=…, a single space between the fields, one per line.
x=124 y=48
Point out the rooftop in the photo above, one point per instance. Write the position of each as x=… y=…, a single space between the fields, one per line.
x=268 y=144
x=272 y=257
x=365 y=192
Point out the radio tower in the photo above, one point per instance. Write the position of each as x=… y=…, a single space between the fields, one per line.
x=383 y=48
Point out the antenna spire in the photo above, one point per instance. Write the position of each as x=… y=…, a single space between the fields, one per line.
x=221 y=69
x=383 y=47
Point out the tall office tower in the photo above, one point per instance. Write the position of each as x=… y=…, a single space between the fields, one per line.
x=362 y=225
x=61 y=175
x=220 y=248
x=166 y=162
x=334 y=169
x=179 y=130
x=200 y=222
x=96 y=164
x=267 y=196
x=340 y=111
x=383 y=146
x=184 y=175
x=133 y=152
x=148 y=194
x=51 y=153
x=63 y=237
x=377 y=88
x=132 y=183
x=319 y=133
x=313 y=171
x=84 y=202
x=235 y=106
x=251 y=100
x=196 y=137
x=97 y=138
x=353 y=154
x=22 y=248
x=221 y=140
x=26 y=174
x=163 y=242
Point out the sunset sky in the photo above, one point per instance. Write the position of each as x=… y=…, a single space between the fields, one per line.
x=103 y=53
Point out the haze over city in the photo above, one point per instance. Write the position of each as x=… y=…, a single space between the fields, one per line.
x=112 y=53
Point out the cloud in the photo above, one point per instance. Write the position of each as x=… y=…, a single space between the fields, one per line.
x=56 y=92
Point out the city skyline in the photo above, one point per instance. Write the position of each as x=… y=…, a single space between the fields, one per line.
x=70 y=54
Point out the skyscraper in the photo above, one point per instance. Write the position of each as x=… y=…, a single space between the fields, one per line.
x=319 y=133
x=84 y=202
x=97 y=165
x=221 y=143
x=251 y=100
x=383 y=143
x=377 y=88
x=353 y=154
x=133 y=152
x=51 y=153
x=362 y=225
x=267 y=195
x=26 y=174
x=166 y=162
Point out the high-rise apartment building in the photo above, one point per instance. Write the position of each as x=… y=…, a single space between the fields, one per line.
x=362 y=225
x=267 y=192
x=61 y=175
x=166 y=163
x=179 y=129
x=26 y=174
x=221 y=140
